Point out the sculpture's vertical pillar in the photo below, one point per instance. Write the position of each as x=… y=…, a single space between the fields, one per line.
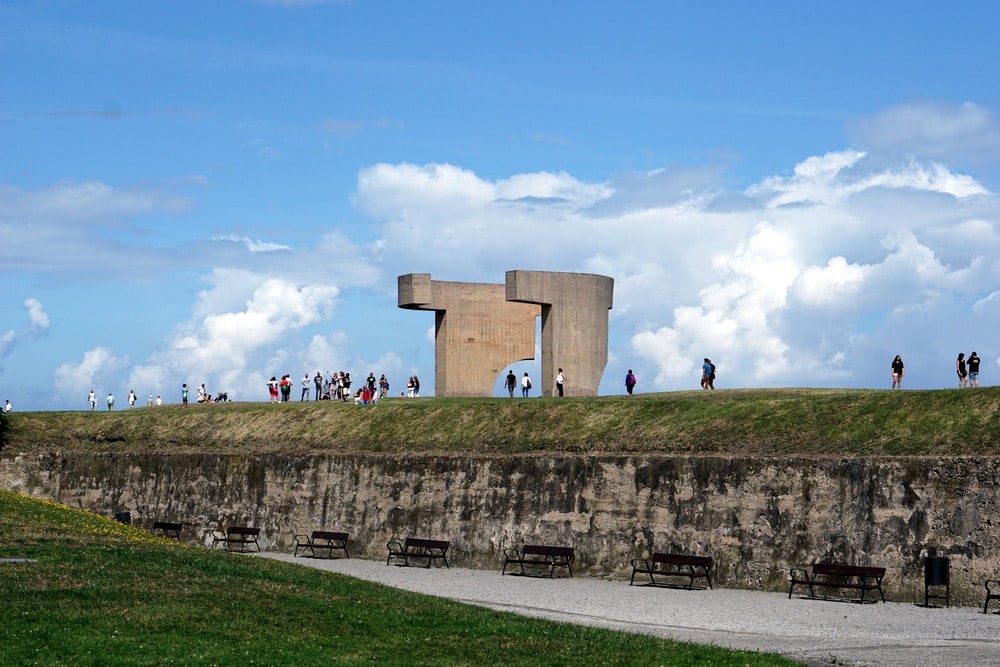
x=574 y=325
x=477 y=332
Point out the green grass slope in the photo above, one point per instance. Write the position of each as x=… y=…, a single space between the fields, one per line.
x=824 y=422
x=103 y=593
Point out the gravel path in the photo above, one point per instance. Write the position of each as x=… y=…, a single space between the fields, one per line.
x=809 y=631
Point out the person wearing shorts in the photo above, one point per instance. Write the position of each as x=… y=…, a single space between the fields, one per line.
x=897 y=372
x=973 y=369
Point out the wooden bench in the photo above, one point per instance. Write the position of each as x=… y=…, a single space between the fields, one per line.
x=991 y=593
x=838 y=575
x=673 y=565
x=242 y=536
x=539 y=555
x=322 y=540
x=168 y=529
x=418 y=547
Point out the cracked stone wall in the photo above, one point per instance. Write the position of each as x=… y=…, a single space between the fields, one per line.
x=756 y=517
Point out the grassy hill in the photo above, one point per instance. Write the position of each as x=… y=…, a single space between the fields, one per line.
x=813 y=422
x=102 y=593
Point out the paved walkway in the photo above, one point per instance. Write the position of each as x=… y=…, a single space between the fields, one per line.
x=809 y=631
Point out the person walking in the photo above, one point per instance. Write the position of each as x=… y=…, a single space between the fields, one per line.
x=963 y=372
x=706 y=373
x=897 y=372
x=630 y=381
x=92 y=399
x=131 y=398
x=272 y=389
x=973 y=369
x=525 y=385
x=560 y=382
x=511 y=382
x=111 y=401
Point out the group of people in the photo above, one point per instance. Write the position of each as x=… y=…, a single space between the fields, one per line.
x=336 y=386
x=968 y=370
x=110 y=400
x=511 y=384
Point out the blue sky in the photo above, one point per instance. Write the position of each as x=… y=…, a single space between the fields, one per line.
x=220 y=192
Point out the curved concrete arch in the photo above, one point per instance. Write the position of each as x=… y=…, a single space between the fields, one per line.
x=477 y=332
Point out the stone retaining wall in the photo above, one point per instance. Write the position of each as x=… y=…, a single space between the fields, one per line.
x=755 y=516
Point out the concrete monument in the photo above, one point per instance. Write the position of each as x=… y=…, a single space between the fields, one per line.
x=481 y=328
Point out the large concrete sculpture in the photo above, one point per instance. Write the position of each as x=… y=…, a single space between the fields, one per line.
x=574 y=325
x=481 y=328
x=477 y=332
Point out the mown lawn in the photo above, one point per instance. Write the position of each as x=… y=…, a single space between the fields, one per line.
x=103 y=593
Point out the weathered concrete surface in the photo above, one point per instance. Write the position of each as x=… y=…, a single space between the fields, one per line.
x=574 y=325
x=755 y=516
x=477 y=332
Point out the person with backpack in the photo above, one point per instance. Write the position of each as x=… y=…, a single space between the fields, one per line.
x=630 y=381
x=706 y=373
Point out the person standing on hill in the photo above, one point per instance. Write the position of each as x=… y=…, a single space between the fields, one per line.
x=184 y=395
x=973 y=369
x=630 y=381
x=111 y=401
x=560 y=382
x=525 y=385
x=511 y=382
x=92 y=399
x=897 y=372
x=963 y=373
x=306 y=383
x=318 y=382
x=706 y=373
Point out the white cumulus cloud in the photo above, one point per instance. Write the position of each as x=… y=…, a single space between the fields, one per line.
x=38 y=319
